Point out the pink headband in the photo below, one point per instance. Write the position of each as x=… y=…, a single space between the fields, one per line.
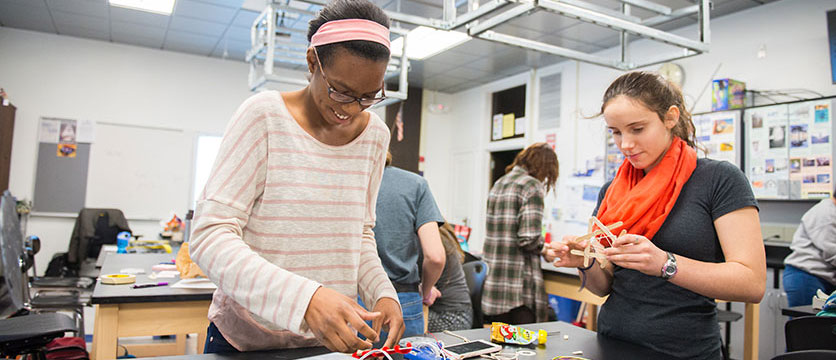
x=350 y=29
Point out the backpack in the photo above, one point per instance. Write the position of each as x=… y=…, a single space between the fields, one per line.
x=67 y=348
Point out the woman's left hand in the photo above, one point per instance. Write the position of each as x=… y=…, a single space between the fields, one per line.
x=638 y=253
x=391 y=318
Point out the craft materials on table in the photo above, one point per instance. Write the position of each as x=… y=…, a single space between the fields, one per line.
x=147 y=285
x=384 y=351
x=118 y=279
x=196 y=283
x=510 y=334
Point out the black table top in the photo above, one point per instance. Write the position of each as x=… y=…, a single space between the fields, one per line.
x=594 y=346
x=796 y=311
x=117 y=294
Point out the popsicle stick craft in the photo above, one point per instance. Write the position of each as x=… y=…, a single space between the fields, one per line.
x=598 y=240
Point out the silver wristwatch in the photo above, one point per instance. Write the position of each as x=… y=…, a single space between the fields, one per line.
x=669 y=269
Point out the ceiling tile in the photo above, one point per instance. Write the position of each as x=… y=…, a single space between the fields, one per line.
x=589 y=33
x=29 y=17
x=573 y=44
x=235 y=4
x=82 y=7
x=27 y=3
x=153 y=42
x=232 y=54
x=196 y=26
x=460 y=87
x=189 y=43
x=238 y=33
x=136 y=34
x=517 y=31
x=543 y=21
x=84 y=32
x=480 y=47
x=245 y=18
x=138 y=17
x=65 y=19
x=443 y=81
x=433 y=67
x=466 y=72
x=204 y=11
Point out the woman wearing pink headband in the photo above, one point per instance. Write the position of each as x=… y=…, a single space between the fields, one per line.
x=284 y=224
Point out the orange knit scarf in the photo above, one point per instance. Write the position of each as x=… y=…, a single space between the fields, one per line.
x=643 y=202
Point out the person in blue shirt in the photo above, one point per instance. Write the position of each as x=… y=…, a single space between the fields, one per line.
x=406 y=227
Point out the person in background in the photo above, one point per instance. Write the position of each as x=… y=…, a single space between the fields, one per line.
x=284 y=224
x=812 y=264
x=407 y=224
x=692 y=228
x=450 y=307
x=514 y=292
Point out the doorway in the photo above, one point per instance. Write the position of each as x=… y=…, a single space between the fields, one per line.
x=499 y=161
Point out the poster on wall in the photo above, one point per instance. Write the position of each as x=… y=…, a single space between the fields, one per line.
x=790 y=150
x=767 y=144
x=613 y=158
x=718 y=133
x=810 y=150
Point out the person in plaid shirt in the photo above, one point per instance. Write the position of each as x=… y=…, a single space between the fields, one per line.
x=514 y=291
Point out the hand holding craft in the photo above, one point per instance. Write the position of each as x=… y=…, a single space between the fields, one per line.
x=636 y=252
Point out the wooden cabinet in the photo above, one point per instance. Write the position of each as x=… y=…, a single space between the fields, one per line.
x=7 y=129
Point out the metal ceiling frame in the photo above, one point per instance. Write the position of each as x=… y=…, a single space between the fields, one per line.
x=268 y=47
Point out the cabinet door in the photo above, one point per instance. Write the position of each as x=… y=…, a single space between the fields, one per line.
x=7 y=129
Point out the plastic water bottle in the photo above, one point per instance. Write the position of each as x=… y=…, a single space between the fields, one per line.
x=122 y=242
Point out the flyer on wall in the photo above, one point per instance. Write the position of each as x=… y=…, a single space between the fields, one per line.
x=766 y=161
x=810 y=150
x=717 y=133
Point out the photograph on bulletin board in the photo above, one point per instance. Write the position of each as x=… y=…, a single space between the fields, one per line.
x=766 y=151
x=718 y=133
x=789 y=150
x=810 y=130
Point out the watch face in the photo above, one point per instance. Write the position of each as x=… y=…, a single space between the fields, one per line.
x=670 y=270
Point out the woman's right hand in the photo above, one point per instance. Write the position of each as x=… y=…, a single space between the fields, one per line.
x=562 y=250
x=334 y=317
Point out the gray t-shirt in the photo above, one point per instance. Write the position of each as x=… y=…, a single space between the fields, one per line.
x=814 y=243
x=404 y=203
x=454 y=293
x=655 y=313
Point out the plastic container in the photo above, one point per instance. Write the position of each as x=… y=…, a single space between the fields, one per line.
x=122 y=241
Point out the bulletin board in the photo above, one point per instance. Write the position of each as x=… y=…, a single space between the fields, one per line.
x=143 y=171
x=789 y=149
x=719 y=134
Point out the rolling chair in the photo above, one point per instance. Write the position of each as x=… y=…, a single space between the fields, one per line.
x=475 y=273
x=17 y=260
x=811 y=333
x=21 y=332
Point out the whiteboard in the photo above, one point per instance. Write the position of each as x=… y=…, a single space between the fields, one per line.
x=143 y=171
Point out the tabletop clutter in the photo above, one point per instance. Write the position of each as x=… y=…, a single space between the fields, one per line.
x=508 y=342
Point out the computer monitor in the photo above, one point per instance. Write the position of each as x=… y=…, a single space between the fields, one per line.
x=831 y=34
x=11 y=244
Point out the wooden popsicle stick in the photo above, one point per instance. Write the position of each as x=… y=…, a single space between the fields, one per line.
x=599 y=256
x=598 y=232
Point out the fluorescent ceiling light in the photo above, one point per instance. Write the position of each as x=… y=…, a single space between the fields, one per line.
x=425 y=42
x=164 y=7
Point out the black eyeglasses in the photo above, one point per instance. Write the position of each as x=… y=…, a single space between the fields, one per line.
x=345 y=98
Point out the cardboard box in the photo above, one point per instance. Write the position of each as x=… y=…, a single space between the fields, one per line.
x=727 y=94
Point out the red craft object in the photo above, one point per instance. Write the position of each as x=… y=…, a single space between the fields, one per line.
x=397 y=349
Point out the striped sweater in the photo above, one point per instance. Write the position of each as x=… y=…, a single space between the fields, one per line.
x=283 y=214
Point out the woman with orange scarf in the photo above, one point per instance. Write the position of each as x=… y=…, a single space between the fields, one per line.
x=692 y=228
